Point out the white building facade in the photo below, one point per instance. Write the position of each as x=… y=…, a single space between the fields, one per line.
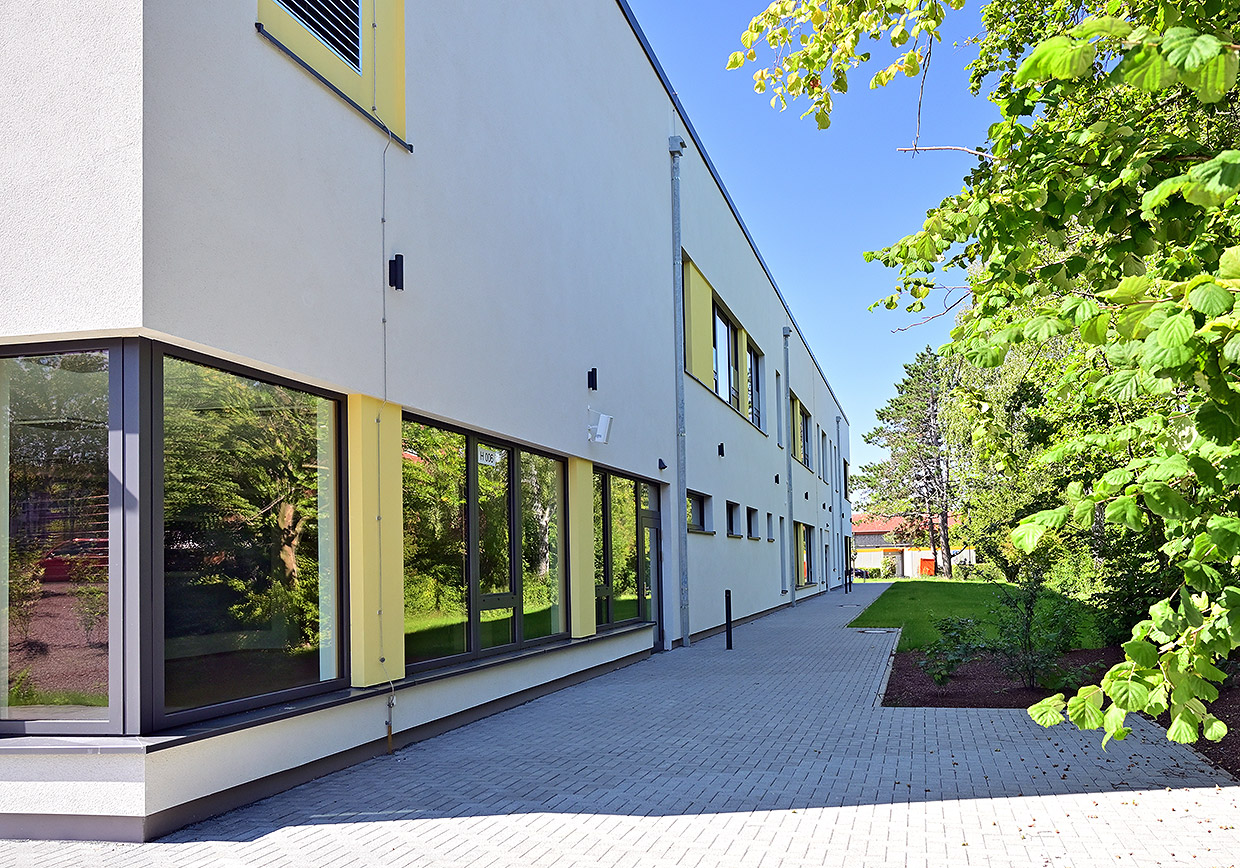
x=269 y=514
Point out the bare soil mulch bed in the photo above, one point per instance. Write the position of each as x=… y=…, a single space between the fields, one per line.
x=984 y=684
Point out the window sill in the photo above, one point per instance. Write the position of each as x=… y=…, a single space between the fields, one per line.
x=756 y=537
x=702 y=531
x=735 y=536
x=807 y=585
x=770 y=539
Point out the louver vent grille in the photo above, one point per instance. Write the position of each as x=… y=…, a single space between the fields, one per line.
x=337 y=23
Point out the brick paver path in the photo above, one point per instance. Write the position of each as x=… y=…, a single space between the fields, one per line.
x=774 y=754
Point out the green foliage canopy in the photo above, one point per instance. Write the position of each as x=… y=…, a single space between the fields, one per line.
x=1103 y=204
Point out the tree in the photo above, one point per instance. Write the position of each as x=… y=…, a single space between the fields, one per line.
x=916 y=480
x=1103 y=204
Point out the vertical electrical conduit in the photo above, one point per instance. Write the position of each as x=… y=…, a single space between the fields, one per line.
x=792 y=525
x=676 y=147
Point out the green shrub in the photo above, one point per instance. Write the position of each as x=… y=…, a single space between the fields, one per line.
x=961 y=643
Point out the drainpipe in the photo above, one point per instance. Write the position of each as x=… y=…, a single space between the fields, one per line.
x=839 y=496
x=792 y=527
x=676 y=147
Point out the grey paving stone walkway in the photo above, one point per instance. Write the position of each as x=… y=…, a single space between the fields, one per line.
x=774 y=754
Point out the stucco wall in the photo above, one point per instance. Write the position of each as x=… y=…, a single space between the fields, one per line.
x=71 y=168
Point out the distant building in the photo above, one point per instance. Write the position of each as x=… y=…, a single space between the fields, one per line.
x=899 y=541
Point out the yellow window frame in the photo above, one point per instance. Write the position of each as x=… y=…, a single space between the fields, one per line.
x=379 y=89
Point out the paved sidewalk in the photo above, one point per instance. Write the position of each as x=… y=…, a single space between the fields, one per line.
x=774 y=754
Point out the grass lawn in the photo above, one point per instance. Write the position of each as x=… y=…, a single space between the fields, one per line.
x=915 y=604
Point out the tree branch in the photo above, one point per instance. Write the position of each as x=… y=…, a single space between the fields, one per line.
x=917 y=148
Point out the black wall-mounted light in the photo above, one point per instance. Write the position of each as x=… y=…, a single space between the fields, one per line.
x=807 y=495
x=662 y=464
x=592 y=379
x=720 y=450
x=777 y=479
x=396 y=272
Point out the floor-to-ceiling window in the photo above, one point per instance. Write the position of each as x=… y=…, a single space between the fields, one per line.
x=626 y=548
x=55 y=566
x=251 y=568
x=485 y=550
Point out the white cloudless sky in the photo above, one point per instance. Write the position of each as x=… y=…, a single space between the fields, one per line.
x=814 y=200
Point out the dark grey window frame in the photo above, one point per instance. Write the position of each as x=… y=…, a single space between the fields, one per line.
x=643 y=515
x=475 y=599
x=701 y=500
x=153 y=683
x=752 y=528
x=755 y=386
x=120 y=683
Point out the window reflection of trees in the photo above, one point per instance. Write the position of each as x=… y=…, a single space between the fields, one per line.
x=249 y=536
x=54 y=573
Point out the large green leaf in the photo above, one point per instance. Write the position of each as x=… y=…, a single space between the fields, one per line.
x=1176 y=330
x=1147 y=69
x=1212 y=81
x=1229 y=264
x=1124 y=511
x=1129 y=695
x=1183 y=729
x=1058 y=57
x=1213 y=728
x=1185 y=48
x=1215 y=423
x=1165 y=501
x=1026 y=535
x=1211 y=299
x=1049 y=711
x=1101 y=26
x=1142 y=653
x=1085 y=709
x=1094 y=330
x=1224 y=530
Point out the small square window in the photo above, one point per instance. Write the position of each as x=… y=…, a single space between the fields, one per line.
x=770 y=527
x=734 y=519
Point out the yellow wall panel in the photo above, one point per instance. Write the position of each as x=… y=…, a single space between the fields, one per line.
x=581 y=547
x=376 y=549
x=699 y=325
x=379 y=87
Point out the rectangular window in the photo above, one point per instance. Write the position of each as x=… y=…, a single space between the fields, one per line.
x=734 y=518
x=770 y=527
x=250 y=535
x=626 y=521
x=755 y=387
x=695 y=509
x=727 y=370
x=56 y=595
x=435 y=515
x=779 y=417
x=805 y=554
x=484 y=545
x=806 y=446
x=824 y=459
x=847 y=492
x=751 y=523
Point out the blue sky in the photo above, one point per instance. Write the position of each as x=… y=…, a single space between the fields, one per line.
x=813 y=200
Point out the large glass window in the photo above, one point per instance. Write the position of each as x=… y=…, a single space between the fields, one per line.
x=805 y=554
x=435 y=515
x=54 y=566
x=484 y=545
x=726 y=358
x=250 y=535
x=755 y=387
x=624 y=559
x=542 y=546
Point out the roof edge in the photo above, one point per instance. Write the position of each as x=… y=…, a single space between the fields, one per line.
x=697 y=142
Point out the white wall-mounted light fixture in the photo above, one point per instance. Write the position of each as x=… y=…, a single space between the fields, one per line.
x=599 y=428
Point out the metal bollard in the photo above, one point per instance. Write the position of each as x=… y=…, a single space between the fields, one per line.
x=727 y=616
